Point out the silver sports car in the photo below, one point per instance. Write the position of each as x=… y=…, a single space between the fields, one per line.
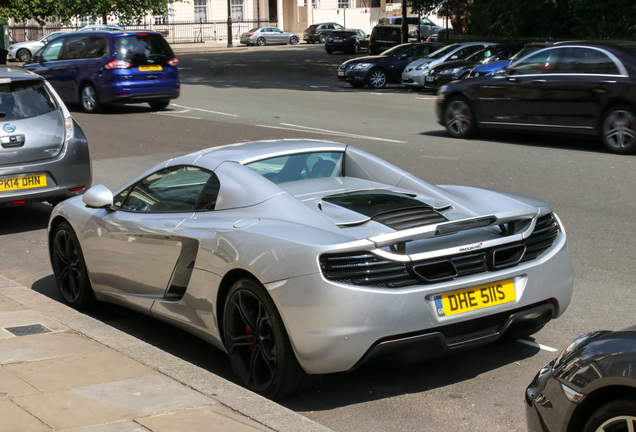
x=302 y=257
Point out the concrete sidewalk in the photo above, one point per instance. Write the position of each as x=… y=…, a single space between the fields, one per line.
x=61 y=370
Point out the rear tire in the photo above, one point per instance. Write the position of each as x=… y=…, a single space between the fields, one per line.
x=329 y=51
x=258 y=346
x=458 y=117
x=89 y=99
x=24 y=55
x=618 y=130
x=356 y=49
x=159 y=105
x=323 y=38
x=293 y=40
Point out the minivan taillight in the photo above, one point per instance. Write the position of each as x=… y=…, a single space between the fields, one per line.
x=173 y=62
x=118 y=64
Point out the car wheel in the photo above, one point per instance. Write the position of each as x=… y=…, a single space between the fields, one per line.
x=293 y=40
x=257 y=344
x=376 y=78
x=159 y=105
x=89 y=99
x=617 y=415
x=24 y=55
x=260 y=41
x=618 y=132
x=458 y=117
x=69 y=268
x=356 y=49
x=323 y=38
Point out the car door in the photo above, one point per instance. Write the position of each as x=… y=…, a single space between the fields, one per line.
x=275 y=35
x=132 y=254
x=45 y=63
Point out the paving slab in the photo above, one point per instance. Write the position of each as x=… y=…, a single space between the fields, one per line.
x=15 y=419
x=44 y=346
x=214 y=418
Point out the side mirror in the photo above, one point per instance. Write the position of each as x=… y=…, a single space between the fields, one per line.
x=98 y=197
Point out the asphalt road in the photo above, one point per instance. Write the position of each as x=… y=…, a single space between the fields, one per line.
x=283 y=92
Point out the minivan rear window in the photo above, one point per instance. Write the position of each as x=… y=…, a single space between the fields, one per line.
x=143 y=49
x=24 y=99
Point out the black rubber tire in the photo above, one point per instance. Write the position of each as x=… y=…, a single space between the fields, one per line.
x=458 y=117
x=258 y=346
x=293 y=40
x=89 y=100
x=618 y=130
x=355 y=49
x=69 y=268
x=329 y=51
x=24 y=55
x=377 y=78
x=322 y=38
x=613 y=416
x=261 y=41
x=159 y=105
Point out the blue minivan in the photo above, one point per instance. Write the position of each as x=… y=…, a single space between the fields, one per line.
x=97 y=68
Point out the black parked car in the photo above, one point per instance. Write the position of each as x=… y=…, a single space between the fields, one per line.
x=459 y=69
x=590 y=387
x=384 y=37
x=377 y=71
x=586 y=88
x=347 y=40
x=319 y=32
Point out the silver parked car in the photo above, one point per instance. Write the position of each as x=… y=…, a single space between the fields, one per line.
x=268 y=36
x=43 y=151
x=302 y=257
x=416 y=72
x=23 y=51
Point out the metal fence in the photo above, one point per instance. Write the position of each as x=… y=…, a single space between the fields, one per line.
x=182 y=32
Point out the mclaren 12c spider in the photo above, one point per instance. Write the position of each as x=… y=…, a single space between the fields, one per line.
x=301 y=257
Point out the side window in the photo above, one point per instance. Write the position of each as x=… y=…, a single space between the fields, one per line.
x=426 y=21
x=73 y=48
x=95 y=47
x=174 y=189
x=588 y=61
x=52 y=51
x=542 y=62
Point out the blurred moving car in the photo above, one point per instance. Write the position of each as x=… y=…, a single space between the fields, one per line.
x=378 y=71
x=347 y=40
x=585 y=88
x=414 y=74
x=441 y=35
x=23 y=51
x=304 y=257
x=589 y=387
x=110 y=67
x=43 y=151
x=458 y=69
x=268 y=35
x=419 y=27
x=319 y=32
x=494 y=66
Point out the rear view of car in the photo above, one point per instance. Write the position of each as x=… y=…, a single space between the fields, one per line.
x=115 y=67
x=44 y=153
x=351 y=41
x=384 y=37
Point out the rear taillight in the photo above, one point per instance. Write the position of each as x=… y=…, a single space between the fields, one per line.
x=118 y=64
x=173 y=62
x=19 y=202
x=68 y=128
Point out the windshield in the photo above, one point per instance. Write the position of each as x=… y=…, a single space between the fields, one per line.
x=396 y=50
x=444 y=51
x=299 y=166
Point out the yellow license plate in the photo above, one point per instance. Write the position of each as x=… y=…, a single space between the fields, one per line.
x=475 y=298
x=25 y=182
x=150 y=68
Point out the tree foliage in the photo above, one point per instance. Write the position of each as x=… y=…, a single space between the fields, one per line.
x=126 y=11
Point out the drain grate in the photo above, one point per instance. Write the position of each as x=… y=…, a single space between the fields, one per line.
x=27 y=330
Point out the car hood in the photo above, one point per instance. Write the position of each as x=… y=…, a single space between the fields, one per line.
x=493 y=66
x=29 y=44
x=457 y=63
x=366 y=59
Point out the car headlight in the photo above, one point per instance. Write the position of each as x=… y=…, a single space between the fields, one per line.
x=362 y=66
x=450 y=71
x=577 y=343
x=10 y=48
x=422 y=66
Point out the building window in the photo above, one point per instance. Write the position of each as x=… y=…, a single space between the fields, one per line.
x=159 y=20
x=342 y=4
x=237 y=10
x=200 y=11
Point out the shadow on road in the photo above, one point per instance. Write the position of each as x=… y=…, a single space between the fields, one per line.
x=30 y=217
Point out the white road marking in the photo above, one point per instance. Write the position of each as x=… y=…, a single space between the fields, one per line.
x=426 y=98
x=292 y=127
x=176 y=114
x=537 y=345
x=207 y=111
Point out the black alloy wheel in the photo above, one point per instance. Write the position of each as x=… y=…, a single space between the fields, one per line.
x=618 y=133
x=615 y=416
x=323 y=38
x=377 y=78
x=257 y=344
x=69 y=268
x=356 y=48
x=458 y=117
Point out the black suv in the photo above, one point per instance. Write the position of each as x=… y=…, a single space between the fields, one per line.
x=347 y=40
x=319 y=32
x=384 y=37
